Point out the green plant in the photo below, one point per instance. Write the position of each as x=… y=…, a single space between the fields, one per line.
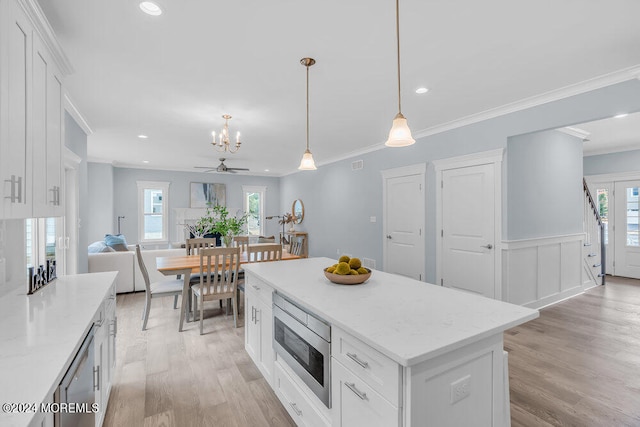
x=217 y=220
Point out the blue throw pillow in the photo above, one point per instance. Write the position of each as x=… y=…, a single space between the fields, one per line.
x=116 y=241
x=96 y=247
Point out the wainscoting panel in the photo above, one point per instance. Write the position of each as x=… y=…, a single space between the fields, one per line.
x=539 y=272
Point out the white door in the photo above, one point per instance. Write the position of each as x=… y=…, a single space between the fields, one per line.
x=404 y=223
x=627 y=242
x=468 y=229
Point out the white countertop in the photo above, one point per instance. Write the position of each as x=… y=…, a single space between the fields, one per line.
x=405 y=319
x=40 y=334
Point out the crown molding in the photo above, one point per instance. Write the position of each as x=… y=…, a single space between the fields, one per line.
x=577 y=132
x=73 y=111
x=575 y=89
x=42 y=26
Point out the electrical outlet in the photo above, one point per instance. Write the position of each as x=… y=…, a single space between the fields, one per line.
x=337 y=251
x=372 y=219
x=460 y=389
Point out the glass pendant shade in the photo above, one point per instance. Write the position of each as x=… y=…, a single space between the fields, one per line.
x=307 y=163
x=400 y=134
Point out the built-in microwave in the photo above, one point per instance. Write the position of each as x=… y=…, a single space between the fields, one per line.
x=303 y=341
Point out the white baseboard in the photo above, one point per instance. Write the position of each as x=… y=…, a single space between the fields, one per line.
x=554 y=299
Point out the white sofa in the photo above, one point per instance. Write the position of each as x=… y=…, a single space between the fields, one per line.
x=129 y=277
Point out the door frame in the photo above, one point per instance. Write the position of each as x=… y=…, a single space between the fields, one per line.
x=71 y=210
x=416 y=169
x=611 y=179
x=491 y=157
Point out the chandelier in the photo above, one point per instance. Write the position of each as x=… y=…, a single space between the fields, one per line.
x=223 y=143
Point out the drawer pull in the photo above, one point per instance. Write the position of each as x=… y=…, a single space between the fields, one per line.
x=257 y=288
x=295 y=409
x=359 y=361
x=358 y=393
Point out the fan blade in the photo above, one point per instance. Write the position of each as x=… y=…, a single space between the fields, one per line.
x=202 y=167
x=237 y=169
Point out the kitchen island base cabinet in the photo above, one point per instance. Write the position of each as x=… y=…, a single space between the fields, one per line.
x=461 y=388
x=258 y=322
x=298 y=404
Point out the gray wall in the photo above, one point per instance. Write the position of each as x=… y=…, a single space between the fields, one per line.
x=76 y=140
x=338 y=202
x=126 y=195
x=626 y=161
x=544 y=185
x=101 y=218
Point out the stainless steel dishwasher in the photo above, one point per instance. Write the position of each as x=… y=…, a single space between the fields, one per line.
x=77 y=389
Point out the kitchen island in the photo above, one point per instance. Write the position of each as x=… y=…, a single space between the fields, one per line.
x=403 y=352
x=40 y=336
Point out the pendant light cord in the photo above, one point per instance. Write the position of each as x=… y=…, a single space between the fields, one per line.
x=307 y=107
x=398 y=50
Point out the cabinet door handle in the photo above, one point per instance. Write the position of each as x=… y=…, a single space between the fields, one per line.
x=19 y=189
x=358 y=393
x=257 y=311
x=295 y=408
x=359 y=361
x=96 y=378
x=257 y=288
x=253 y=314
x=12 y=197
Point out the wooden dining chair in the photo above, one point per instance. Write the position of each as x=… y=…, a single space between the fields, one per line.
x=218 y=276
x=242 y=242
x=264 y=253
x=296 y=246
x=194 y=245
x=163 y=288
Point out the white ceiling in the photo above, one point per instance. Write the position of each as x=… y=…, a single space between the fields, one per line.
x=172 y=77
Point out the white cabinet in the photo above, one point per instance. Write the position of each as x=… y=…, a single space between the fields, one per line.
x=105 y=353
x=295 y=401
x=46 y=127
x=258 y=316
x=15 y=88
x=366 y=386
x=356 y=403
x=31 y=118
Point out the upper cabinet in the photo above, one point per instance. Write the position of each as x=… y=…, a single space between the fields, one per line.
x=31 y=113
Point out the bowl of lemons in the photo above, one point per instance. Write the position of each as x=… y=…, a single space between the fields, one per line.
x=347 y=271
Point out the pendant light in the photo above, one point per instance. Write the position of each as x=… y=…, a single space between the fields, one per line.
x=307 y=163
x=400 y=134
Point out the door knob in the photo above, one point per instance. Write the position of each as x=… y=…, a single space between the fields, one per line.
x=489 y=246
x=388 y=236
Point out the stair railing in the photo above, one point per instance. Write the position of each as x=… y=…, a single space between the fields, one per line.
x=596 y=212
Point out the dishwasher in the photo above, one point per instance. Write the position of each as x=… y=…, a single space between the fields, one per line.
x=77 y=389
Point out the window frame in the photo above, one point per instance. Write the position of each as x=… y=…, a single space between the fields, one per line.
x=153 y=185
x=263 y=196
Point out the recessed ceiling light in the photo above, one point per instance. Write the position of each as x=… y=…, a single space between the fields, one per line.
x=422 y=90
x=145 y=161
x=143 y=136
x=266 y=170
x=619 y=116
x=150 y=8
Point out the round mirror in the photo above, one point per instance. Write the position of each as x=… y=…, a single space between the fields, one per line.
x=297 y=210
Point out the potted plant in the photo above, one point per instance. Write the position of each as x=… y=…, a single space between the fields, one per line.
x=288 y=219
x=221 y=223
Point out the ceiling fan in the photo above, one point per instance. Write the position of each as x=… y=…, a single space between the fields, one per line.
x=221 y=168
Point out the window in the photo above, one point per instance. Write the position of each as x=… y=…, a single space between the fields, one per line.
x=603 y=209
x=254 y=200
x=40 y=240
x=633 y=203
x=153 y=211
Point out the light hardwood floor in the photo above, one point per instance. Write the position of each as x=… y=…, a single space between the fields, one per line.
x=577 y=365
x=170 y=378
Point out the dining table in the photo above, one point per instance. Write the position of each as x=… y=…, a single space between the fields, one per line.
x=186 y=264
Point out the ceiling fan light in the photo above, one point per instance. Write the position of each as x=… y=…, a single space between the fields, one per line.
x=307 y=163
x=400 y=134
